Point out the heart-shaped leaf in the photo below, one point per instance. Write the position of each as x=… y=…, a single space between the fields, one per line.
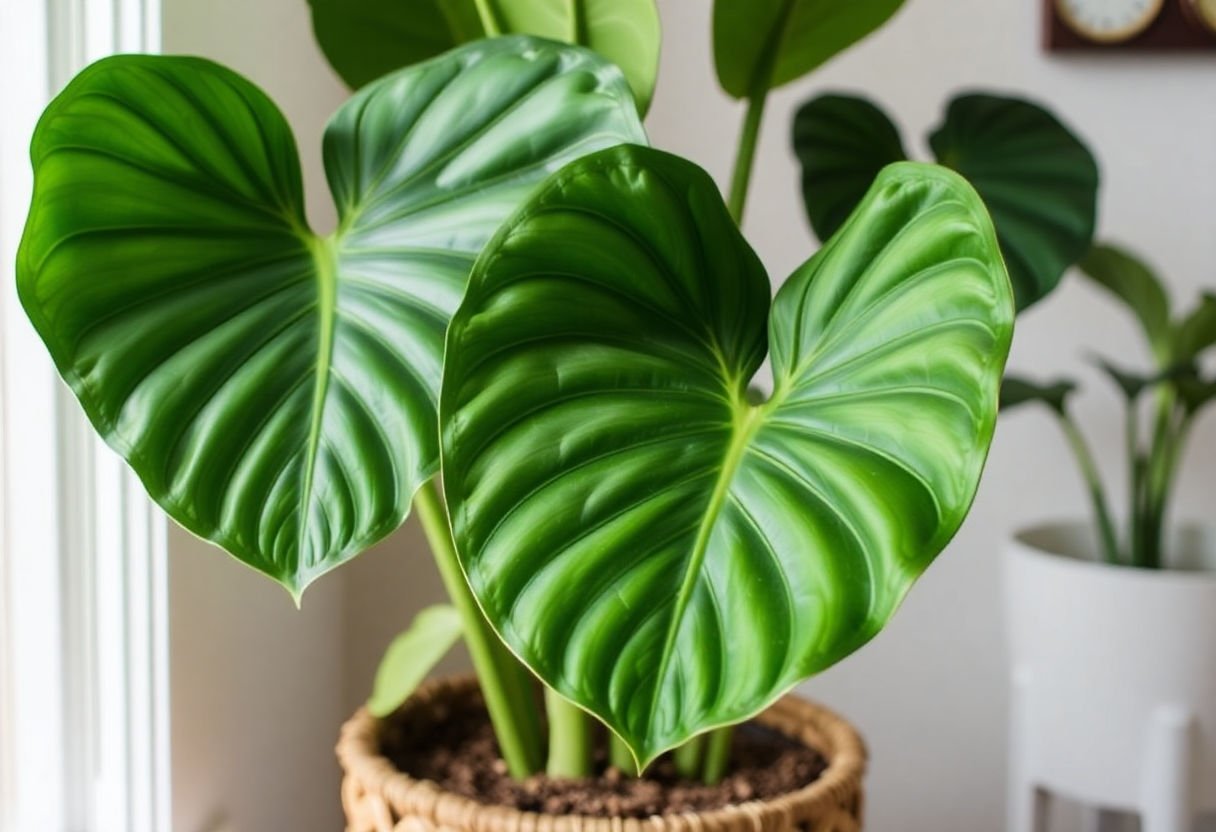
x=842 y=143
x=761 y=44
x=275 y=390
x=1039 y=181
x=1131 y=281
x=659 y=549
x=412 y=655
x=364 y=39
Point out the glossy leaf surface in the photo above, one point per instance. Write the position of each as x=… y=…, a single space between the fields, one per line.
x=412 y=655
x=842 y=142
x=275 y=390
x=762 y=44
x=364 y=39
x=1039 y=181
x=656 y=547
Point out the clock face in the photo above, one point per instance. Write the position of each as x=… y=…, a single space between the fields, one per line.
x=1109 y=21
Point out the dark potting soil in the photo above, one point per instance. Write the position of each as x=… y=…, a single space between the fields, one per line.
x=457 y=750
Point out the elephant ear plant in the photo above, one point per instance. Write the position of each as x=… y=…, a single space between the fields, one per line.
x=664 y=547
x=1177 y=389
x=275 y=388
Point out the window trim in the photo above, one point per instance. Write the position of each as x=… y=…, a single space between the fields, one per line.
x=84 y=671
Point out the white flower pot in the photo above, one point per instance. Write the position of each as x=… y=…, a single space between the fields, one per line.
x=1114 y=675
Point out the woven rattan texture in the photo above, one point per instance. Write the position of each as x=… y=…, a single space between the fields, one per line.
x=378 y=798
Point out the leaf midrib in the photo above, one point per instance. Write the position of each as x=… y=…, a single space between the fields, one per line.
x=747 y=421
x=324 y=255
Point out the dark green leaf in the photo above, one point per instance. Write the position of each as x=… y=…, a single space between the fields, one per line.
x=274 y=389
x=1131 y=281
x=1195 y=392
x=658 y=548
x=413 y=655
x=1038 y=180
x=1131 y=384
x=364 y=39
x=761 y=44
x=842 y=142
x=1197 y=331
x=1016 y=391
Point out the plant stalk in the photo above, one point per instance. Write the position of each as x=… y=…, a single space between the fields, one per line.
x=689 y=758
x=570 y=738
x=489 y=20
x=745 y=156
x=717 y=754
x=619 y=755
x=1097 y=494
x=505 y=683
x=1135 y=483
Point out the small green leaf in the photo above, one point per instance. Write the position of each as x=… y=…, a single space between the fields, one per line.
x=275 y=390
x=1197 y=331
x=1016 y=390
x=1131 y=281
x=762 y=44
x=842 y=142
x=412 y=655
x=1131 y=384
x=1039 y=181
x=658 y=548
x=364 y=39
x=1195 y=392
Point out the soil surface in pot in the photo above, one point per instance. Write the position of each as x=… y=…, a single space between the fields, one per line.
x=457 y=750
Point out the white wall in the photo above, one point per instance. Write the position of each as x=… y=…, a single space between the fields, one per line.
x=929 y=693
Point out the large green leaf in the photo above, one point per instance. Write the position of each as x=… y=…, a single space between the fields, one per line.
x=761 y=44
x=1131 y=281
x=657 y=548
x=274 y=389
x=364 y=39
x=842 y=143
x=1039 y=181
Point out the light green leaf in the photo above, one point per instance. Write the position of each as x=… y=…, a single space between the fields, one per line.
x=842 y=142
x=659 y=549
x=275 y=390
x=1038 y=180
x=1196 y=332
x=1016 y=391
x=1131 y=281
x=762 y=44
x=411 y=656
x=364 y=39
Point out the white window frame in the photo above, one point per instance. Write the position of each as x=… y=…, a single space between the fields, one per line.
x=84 y=722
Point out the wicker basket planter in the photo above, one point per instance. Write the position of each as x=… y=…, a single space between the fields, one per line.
x=379 y=798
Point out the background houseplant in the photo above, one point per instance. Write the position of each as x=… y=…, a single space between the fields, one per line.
x=1114 y=620
x=298 y=245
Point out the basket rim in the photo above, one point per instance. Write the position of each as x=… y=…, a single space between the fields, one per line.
x=364 y=766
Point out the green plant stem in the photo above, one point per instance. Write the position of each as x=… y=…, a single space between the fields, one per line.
x=620 y=756
x=1135 y=481
x=489 y=20
x=570 y=738
x=745 y=156
x=1097 y=494
x=505 y=683
x=689 y=758
x=1161 y=464
x=717 y=754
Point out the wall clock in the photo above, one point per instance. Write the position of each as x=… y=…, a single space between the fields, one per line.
x=1109 y=21
x=1128 y=25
